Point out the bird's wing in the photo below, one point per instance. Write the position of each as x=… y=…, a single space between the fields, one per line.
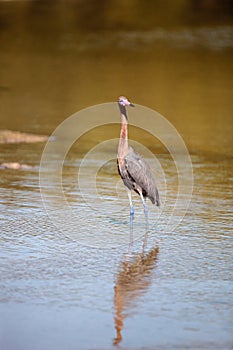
x=141 y=174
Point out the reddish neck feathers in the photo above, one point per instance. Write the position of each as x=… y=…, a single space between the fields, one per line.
x=124 y=129
x=123 y=143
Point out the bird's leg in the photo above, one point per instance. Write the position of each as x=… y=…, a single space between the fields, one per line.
x=144 y=205
x=130 y=203
x=146 y=216
x=131 y=220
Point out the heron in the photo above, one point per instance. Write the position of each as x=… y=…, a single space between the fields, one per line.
x=133 y=169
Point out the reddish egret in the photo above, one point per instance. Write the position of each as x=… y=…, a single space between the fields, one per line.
x=133 y=169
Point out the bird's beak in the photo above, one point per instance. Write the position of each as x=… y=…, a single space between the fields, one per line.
x=131 y=105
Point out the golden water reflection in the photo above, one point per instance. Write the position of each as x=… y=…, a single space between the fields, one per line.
x=133 y=279
x=59 y=57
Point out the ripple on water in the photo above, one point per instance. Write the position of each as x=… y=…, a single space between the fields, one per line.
x=188 y=284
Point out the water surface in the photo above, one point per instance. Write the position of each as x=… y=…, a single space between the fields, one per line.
x=58 y=290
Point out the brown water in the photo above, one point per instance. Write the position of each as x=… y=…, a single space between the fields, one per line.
x=70 y=286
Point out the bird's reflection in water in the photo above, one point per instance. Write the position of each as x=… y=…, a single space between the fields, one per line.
x=133 y=280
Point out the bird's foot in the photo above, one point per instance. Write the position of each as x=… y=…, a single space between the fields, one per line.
x=131 y=212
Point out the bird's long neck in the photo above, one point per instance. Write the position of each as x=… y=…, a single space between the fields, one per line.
x=123 y=142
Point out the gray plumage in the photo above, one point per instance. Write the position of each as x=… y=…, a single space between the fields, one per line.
x=136 y=175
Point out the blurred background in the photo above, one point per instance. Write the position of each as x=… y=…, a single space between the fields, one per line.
x=56 y=58
x=173 y=56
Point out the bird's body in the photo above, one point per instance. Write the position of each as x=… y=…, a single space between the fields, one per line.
x=133 y=169
x=137 y=176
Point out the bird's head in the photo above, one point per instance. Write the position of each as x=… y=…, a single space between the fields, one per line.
x=124 y=102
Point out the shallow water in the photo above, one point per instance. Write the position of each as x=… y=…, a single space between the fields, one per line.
x=58 y=291
x=67 y=280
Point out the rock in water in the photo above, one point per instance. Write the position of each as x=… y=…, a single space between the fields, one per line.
x=9 y=136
